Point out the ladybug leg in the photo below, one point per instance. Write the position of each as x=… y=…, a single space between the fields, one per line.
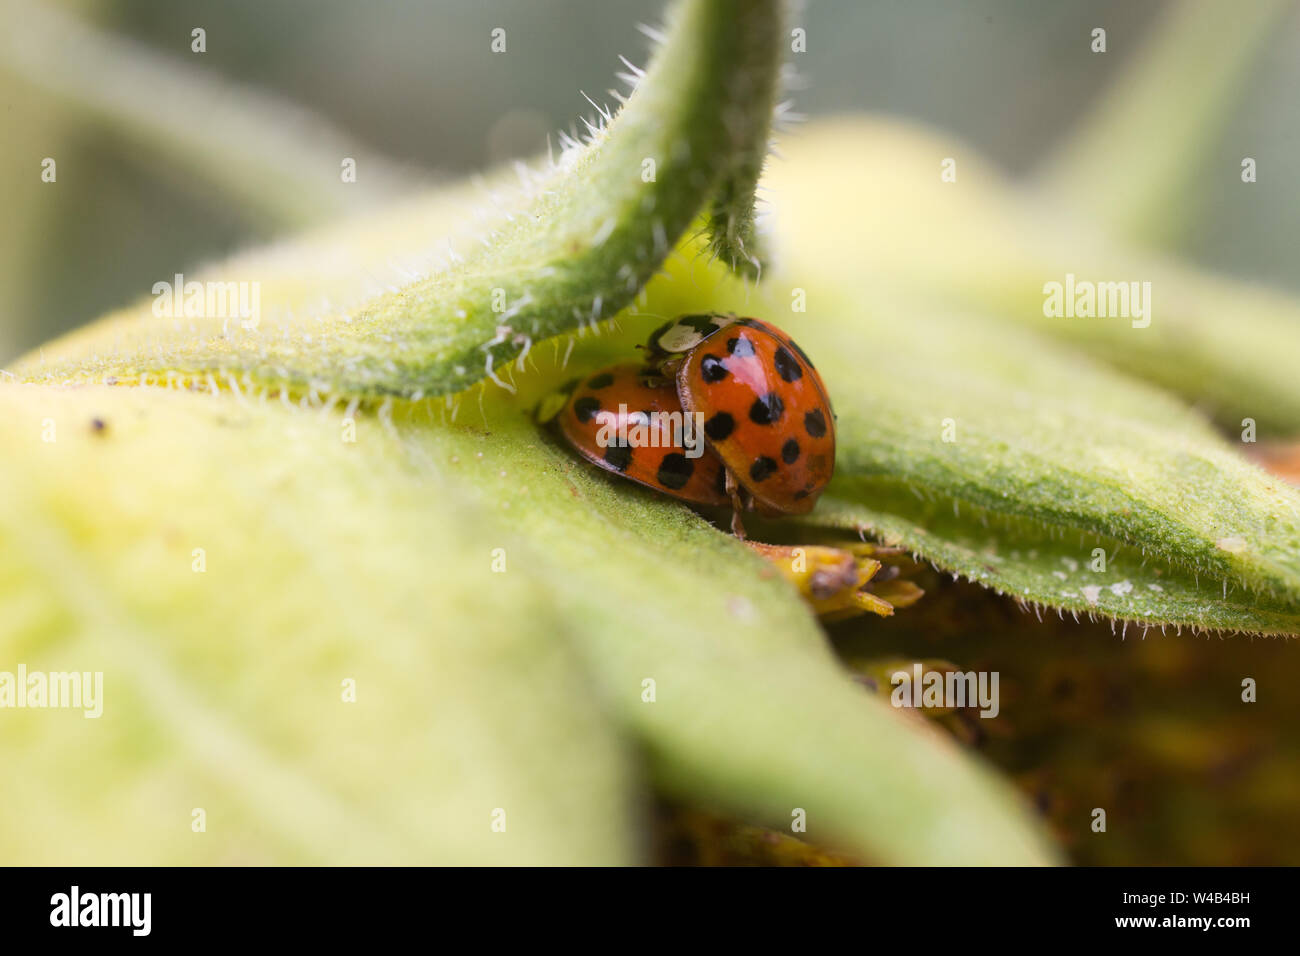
x=652 y=377
x=668 y=366
x=734 y=492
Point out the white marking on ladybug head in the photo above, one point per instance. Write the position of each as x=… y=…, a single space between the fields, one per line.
x=690 y=331
x=680 y=338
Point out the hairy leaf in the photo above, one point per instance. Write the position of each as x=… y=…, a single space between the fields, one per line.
x=326 y=560
x=571 y=247
x=751 y=711
x=228 y=566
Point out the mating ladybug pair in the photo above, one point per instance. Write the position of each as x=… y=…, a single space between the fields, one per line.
x=768 y=432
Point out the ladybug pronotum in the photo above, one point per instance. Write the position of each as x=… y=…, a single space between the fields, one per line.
x=768 y=428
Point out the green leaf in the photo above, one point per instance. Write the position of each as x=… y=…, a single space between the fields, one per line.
x=572 y=246
x=1018 y=436
x=1049 y=566
x=326 y=560
x=227 y=566
x=752 y=712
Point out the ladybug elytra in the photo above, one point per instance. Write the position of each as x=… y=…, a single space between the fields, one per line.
x=622 y=420
x=768 y=441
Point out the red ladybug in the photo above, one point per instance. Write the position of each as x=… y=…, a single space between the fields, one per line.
x=764 y=407
x=765 y=415
x=628 y=419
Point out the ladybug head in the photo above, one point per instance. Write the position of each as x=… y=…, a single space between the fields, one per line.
x=685 y=332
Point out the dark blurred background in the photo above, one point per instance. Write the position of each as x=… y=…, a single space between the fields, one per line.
x=416 y=82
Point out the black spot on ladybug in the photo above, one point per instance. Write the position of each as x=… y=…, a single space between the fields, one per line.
x=800 y=495
x=675 y=470
x=762 y=468
x=719 y=426
x=786 y=366
x=802 y=354
x=740 y=347
x=585 y=407
x=815 y=423
x=618 y=456
x=790 y=451
x=766 y=409
x=603 y=380
x=712 y=369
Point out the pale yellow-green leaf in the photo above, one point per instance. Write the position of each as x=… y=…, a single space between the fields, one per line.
x=752 y=712
x=863 y=201
x=371 y=560
x=322 y=561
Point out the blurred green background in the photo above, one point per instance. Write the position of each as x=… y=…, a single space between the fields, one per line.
x=416 y=82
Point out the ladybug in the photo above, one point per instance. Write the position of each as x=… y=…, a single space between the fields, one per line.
x=768 y=427
x=628 y=419
x=765 y=409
